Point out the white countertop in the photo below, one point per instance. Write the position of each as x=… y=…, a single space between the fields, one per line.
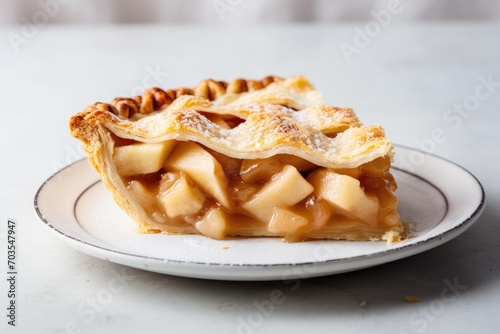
x=408 y=78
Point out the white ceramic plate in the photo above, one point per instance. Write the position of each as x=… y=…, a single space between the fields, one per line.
x=439 y=199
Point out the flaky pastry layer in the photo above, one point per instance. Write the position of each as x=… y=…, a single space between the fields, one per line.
x=324 y=135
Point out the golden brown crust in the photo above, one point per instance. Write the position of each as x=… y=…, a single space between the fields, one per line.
x=326 y=136
x=156 y=98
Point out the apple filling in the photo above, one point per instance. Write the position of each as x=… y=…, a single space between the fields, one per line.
x=185 y=187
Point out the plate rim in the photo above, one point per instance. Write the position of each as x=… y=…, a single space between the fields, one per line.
x=404 y=251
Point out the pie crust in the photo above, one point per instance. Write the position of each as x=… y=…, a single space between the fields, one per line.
x=246 y=158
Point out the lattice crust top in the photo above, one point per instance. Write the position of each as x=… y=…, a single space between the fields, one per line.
x=277 y=116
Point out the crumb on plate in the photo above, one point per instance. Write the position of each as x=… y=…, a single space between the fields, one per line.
x=412 y=299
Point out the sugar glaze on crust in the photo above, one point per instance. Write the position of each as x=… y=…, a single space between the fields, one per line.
x=324 y=135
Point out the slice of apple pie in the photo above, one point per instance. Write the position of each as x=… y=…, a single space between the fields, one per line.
x=246 y=158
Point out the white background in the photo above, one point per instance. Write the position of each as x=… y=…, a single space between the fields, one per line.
x=408 y=76
x=245 y=11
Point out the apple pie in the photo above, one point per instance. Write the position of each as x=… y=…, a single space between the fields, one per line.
x=247 y=158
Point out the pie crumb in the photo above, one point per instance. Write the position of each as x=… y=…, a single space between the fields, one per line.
x=412 y=299
x=224 y=247
x=362 y=303
x=391 y=237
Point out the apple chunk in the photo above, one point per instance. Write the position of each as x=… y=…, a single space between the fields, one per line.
x=213 y=224
x=141 y=193
x=202 y=168
x=299 y=163
x=141 y=158
x=145 y=197
x=285 y=221
x=344 y=194
x=286 y=188
x=181 y=198
x=259 y=170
